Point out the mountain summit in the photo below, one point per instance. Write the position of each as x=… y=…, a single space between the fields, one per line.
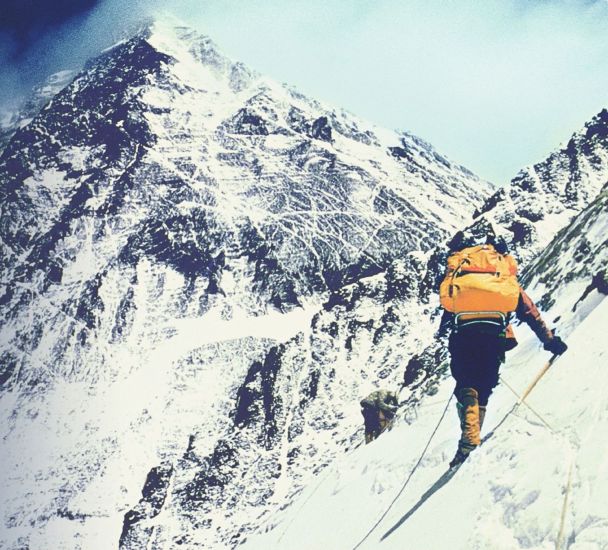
x=168 y=218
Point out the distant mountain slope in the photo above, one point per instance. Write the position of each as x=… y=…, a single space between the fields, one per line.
x=576 y=260
x=542 y=198
x=168 y=220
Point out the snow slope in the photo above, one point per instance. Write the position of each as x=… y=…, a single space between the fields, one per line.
x=382 y=331
x=508 y=495
x=540 y=462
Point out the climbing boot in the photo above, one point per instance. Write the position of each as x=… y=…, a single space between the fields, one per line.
x=469 y=414
x=459 y=458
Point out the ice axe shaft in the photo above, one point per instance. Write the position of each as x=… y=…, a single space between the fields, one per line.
x=537 y=378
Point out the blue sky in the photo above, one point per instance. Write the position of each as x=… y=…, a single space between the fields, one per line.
x=494 y=84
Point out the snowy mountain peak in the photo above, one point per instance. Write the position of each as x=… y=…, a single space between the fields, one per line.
x=193 y=49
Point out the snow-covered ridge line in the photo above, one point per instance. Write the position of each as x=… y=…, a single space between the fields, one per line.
x=543 y=198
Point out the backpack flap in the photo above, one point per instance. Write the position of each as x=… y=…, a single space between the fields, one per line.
x=480 y=279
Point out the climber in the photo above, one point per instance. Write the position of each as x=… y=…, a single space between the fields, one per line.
x=378 y=410
x=479 y=293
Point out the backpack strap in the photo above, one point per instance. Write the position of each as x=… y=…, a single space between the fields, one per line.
x=496 y=318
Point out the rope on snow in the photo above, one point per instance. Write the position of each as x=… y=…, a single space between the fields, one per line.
x=571 y=459
x=562 y=521
x=521 y=400
x=408 y=478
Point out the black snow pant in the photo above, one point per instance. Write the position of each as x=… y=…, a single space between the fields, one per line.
x=477 y=352
x=372 y=421
x=376 y=421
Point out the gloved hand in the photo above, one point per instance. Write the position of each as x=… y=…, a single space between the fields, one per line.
x=556 y=345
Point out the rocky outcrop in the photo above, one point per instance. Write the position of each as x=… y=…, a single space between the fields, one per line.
x=136 y=530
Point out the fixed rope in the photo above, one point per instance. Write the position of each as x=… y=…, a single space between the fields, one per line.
x=522 y=400
x=562 y=521
x=428 y=443
x=322 y=478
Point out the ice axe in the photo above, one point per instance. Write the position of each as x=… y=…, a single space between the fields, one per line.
x=536 y=379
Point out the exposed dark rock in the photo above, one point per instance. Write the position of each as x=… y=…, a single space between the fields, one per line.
x=124 y=315
x=214 y=473
x=311 y=387
x=400 y=153
x=246 y=122
x=256 y=398
x=491 y=202
x=154 y=493
x=426 y=365
x=321 y=129
x=8 y=365
x=522 y=232
x=298 y=122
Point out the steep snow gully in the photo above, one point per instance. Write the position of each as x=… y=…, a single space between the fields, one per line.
x=202 y=272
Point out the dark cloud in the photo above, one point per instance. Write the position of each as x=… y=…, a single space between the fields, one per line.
x=41 y=37
x=26 y=21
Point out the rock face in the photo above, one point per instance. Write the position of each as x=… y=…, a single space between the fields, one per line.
x=170 y=224
x=544 y=197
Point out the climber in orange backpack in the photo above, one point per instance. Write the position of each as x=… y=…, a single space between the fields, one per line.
x=479 y=293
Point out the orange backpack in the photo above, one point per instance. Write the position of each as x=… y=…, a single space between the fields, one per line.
x=479 y=279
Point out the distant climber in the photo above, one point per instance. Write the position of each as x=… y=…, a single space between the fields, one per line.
x=378 y=410
x=479 y=293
